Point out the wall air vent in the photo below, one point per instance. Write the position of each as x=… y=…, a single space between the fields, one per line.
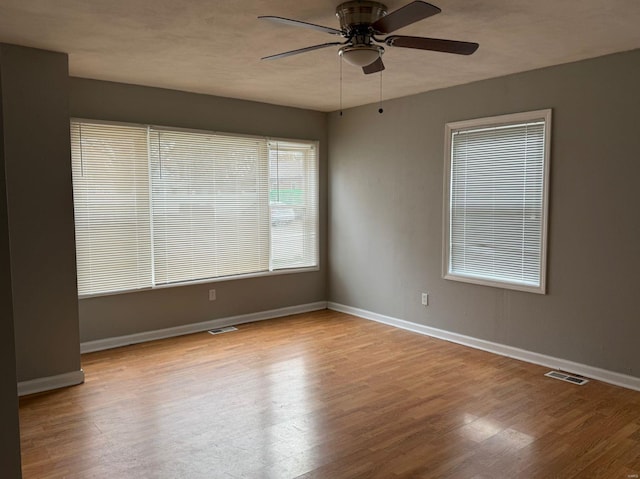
x=567 y=377
x=226 y=329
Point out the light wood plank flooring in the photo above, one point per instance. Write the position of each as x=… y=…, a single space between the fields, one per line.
x=325 y=395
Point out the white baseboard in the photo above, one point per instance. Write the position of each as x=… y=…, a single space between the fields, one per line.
x=592 y=372
x=48 y=383
x=118 y=341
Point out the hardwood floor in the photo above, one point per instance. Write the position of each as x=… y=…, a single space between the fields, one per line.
x=325 y=395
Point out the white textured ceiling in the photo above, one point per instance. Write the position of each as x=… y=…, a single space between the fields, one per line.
x=215 y=46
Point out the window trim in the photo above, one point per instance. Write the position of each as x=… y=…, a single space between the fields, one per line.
x=493 y=122
x=256 y=274
x=218 y=279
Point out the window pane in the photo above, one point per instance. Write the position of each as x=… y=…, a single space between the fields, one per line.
x=111 y=205
x=293 y=194
x=210 y=208
x=497 y=210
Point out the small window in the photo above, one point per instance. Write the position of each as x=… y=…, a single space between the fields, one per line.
x=496 y=200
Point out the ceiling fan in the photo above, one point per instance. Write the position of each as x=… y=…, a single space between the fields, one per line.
x=360 y=23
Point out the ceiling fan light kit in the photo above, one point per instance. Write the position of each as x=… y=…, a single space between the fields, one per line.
x=361 y=55
x=360 y=23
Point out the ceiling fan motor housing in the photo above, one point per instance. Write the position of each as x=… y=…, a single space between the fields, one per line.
x=357 y=16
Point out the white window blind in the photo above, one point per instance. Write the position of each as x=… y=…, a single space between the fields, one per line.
x=210 y=205
x=157 y=206
x=293 y=173
x=496 y=231
x=111 y=197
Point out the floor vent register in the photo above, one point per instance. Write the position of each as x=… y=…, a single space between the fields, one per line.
x=226 y=329
x=567 y=377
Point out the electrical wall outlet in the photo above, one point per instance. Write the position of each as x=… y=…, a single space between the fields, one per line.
x=425 y=299
x=212 y=295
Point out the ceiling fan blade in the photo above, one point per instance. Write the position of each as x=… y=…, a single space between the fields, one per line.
x=434 y=44
x=299 y=23
x=374 y=67
x=410 y=13
x=300 y=50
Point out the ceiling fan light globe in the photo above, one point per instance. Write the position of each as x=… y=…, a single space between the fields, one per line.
x=361 y=56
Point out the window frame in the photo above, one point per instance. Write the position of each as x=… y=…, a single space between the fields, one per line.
x=270 y=272
x=493 y=122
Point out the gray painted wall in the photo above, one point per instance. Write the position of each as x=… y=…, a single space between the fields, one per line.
x=129 y=313
x=9 y=432
x=386 y=199
x=35 y=85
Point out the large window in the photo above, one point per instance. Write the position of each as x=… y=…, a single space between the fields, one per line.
x=496 y=200
x=158 y=206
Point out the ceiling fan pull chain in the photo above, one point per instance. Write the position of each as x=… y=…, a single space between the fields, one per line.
x=380 y=110
x=340 y=60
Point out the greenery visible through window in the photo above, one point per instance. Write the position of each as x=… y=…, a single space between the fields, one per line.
x=496 y=200
x=157 y=206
